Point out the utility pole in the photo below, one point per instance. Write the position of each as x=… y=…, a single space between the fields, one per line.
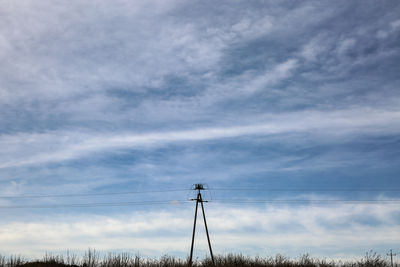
x=200 y=200
x=391 y=257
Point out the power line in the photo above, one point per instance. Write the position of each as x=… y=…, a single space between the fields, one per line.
x=97 y=204
x=182 y=190
x=174 y=202
x=305 y=201
x=161 y=202
x=378 y=201
x=304 y=190
x=91 y=194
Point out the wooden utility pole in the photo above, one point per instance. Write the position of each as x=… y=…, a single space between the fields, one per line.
x=200 y=200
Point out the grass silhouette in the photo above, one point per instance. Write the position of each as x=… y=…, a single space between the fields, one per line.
x=92 y=258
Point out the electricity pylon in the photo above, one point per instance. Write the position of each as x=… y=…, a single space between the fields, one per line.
x=200 y=200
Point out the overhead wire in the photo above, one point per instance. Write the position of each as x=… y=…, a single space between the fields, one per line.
x=91 y=194
x=182 y=190
x=216 y=200
x=211 y=189
x=96 y=204
x=305 y=190
x=296 y=201
x=229 y=201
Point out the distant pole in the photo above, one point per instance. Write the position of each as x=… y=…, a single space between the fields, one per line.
x=200 y=200
x=391 y=257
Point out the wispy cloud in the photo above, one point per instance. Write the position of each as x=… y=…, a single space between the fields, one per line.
x=263 y=229
x=30 y=149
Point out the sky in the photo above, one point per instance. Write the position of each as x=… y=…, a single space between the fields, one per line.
x=265 y=102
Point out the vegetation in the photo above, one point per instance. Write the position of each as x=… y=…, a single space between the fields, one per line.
x=93 y=259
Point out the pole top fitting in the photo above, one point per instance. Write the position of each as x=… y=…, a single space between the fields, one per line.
x=198 y=187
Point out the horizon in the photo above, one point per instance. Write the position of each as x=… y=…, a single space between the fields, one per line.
x=81 y=256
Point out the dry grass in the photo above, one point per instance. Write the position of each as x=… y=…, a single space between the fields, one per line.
x=93 y=259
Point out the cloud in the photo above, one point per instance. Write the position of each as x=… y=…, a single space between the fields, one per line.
x=314 y=48
x=260 y=229
x=271 y=77
x=86 y=54
x=56 y=147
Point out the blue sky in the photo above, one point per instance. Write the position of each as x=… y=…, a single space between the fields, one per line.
x=298 y=99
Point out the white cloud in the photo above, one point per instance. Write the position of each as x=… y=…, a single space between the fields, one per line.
x=28 y=149
x=386 y=32
x=270 y=77
x=245 y=85
x=345 y=45
x=274 y=228
x=314 y=48
x=61 y=51
x=395 y=24
x=252 y=28
x=59 y=58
